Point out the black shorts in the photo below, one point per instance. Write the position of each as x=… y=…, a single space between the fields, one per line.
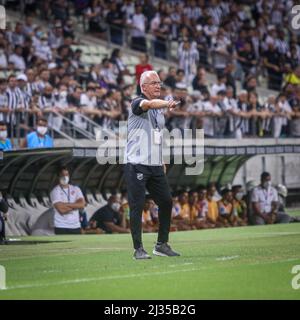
x=67 y=231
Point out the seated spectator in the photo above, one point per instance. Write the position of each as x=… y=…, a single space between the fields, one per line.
x=108 y=218
x=227 y=215
x=264 y=201
x=212 y=207
x=5 y=143
x=202 y=220
x=67 y=200
x=39 y=138
x=239 y=205
x=182 y=220
x=147 y=222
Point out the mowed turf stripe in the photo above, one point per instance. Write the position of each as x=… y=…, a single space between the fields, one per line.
x=134 y=275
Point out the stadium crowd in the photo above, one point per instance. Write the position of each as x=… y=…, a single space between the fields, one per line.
x=42 y=76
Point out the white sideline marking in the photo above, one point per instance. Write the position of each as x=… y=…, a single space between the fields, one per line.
x=99 y=279
x=227 y=258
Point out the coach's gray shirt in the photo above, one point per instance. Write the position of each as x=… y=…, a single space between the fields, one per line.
x=142 y=147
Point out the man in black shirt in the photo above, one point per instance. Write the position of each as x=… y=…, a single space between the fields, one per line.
x=108 y=218
x=273 y=62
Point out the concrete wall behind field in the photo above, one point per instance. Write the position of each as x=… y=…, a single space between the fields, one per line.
x=284 y=169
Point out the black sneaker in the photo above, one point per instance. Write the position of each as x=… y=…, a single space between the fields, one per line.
x=164 y=250
x=140 y=253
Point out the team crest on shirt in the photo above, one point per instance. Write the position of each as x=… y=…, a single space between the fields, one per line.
x=139 y=176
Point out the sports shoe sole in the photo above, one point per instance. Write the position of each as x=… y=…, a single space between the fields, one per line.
x=157 y=253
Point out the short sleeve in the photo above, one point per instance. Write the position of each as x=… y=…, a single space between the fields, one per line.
x=79 y=194
x=275 y=195
x=254 y=196
x=136 y=106
x=54 y=196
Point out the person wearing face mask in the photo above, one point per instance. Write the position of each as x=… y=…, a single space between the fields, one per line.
x=109 y=218
x=265 y=203
x=239 y=205
x=39 y=138
x=5 y=143
x=67 y=200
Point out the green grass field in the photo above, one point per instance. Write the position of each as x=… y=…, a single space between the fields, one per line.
x=233 y=263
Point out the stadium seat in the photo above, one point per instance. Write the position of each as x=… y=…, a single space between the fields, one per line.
x=44 y=226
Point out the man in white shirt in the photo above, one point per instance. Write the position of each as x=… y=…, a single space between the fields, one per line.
x=212 y=113
x=138 y=32
x=17 y=59
x=264 y=202
x=66 y=200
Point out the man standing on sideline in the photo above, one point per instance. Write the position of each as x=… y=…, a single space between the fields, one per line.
x=144 y=167
x=66 y=200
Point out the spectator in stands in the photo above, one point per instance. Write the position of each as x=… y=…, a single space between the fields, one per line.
x=3 y=58
x=43 y=50
x=170 y=80
x=273 y=63
x=239 y=205
x=283 y=113
x=182 y=220
x=119 y=66
x=109 y=218
x=107 y=73
x=143 y=66
x=202 y=220
x=147 y=222
x=212 y=113
x=17 y=37
x=200 y=82
x=17 y=58
x=115 y=19
x=264 y=201
x=212 y=206
x=161 y=33
x=4 y=109
x=247 y=59
x=219 y=85
x=188 y=57
x=5 y=143
x=39 y=138
x=138 y=23
x=67 y=200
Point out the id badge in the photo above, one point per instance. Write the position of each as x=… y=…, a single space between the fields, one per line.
x=156 y=136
